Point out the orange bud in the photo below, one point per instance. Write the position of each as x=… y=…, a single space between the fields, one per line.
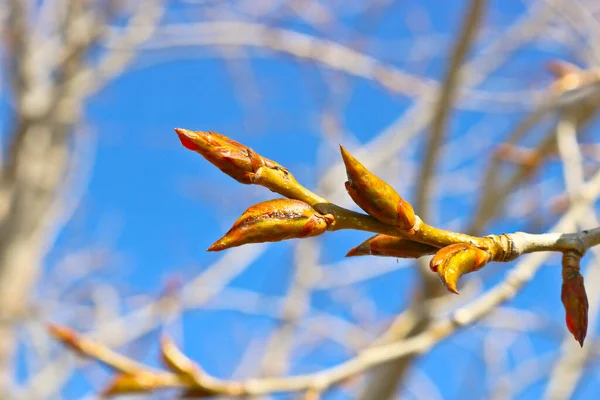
x=391 y=246
x=574 y=298
x=68 y=337
x=375 y=196
x=233 y=158
x=272 y=221
x=560 y=68
x=142 y=382
x=456 y=260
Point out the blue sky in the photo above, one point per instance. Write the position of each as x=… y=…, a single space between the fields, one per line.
x=158 y=206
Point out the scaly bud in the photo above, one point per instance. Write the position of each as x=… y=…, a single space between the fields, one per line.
x=574 y=298
x=375 y=196
x=272 y=221
x=391 y=246
x=456 y=260
x=233 y=158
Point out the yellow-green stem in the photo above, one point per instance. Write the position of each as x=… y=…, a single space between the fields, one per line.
x=284 y=183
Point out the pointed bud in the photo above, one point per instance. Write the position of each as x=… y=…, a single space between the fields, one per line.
x=272 y=221
x=375 y=196
x=391 y=246
x=68 y=337
x=560 y=68
x=456 y=260
x=233 y=158
x=574 y=298
x=142 y=382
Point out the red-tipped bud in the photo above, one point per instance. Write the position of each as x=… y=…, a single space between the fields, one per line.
x=68 y=337
x=391 y=246
x=560 y=68
x=272 y=221
x=456 y=260
x=375 y=196
x=233 y=158
x=574 y=298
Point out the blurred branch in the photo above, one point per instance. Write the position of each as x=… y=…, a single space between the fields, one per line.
x=147 y=380
x=568 y=369
x=390 y=140
x=279 y=346
x=49 y=102
x=574 y=13
x=526 y=373
x=54 y=109
x=329 y=53
x=575 y=91
x=146 y=319
x=41 y=157
x=444 y=105
x=366 y=189
x=383 y=384
x=140 y=27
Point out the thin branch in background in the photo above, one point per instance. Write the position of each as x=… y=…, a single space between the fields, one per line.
x=386 y=379
x=210 y=290
x=569 y=367
x=322 y=380
x=574 y=13
x=278 y=353
x=131 y=326
x=445 y=103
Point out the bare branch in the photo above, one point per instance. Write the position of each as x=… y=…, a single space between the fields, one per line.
x=443 y=107
x=568 y=369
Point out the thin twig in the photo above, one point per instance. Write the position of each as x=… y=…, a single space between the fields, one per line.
x=445 y=103
x=568 y=369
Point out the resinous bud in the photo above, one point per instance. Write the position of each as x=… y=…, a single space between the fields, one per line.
x=391 y=246
x=233 y=158
x=456 y=260
x=575 y=302
x=376 y=197
x=272 y=221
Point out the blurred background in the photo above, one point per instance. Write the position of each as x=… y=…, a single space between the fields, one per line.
x=466 y=107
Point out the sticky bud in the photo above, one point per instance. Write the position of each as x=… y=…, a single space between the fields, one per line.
x=375 y=196
x=456 y=260
x=391 y=246
x=574 y=298
x=272 y=221
x=233 y=158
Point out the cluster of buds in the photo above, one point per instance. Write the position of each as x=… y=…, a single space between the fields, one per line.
x=401 y=233
x=298 y=215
